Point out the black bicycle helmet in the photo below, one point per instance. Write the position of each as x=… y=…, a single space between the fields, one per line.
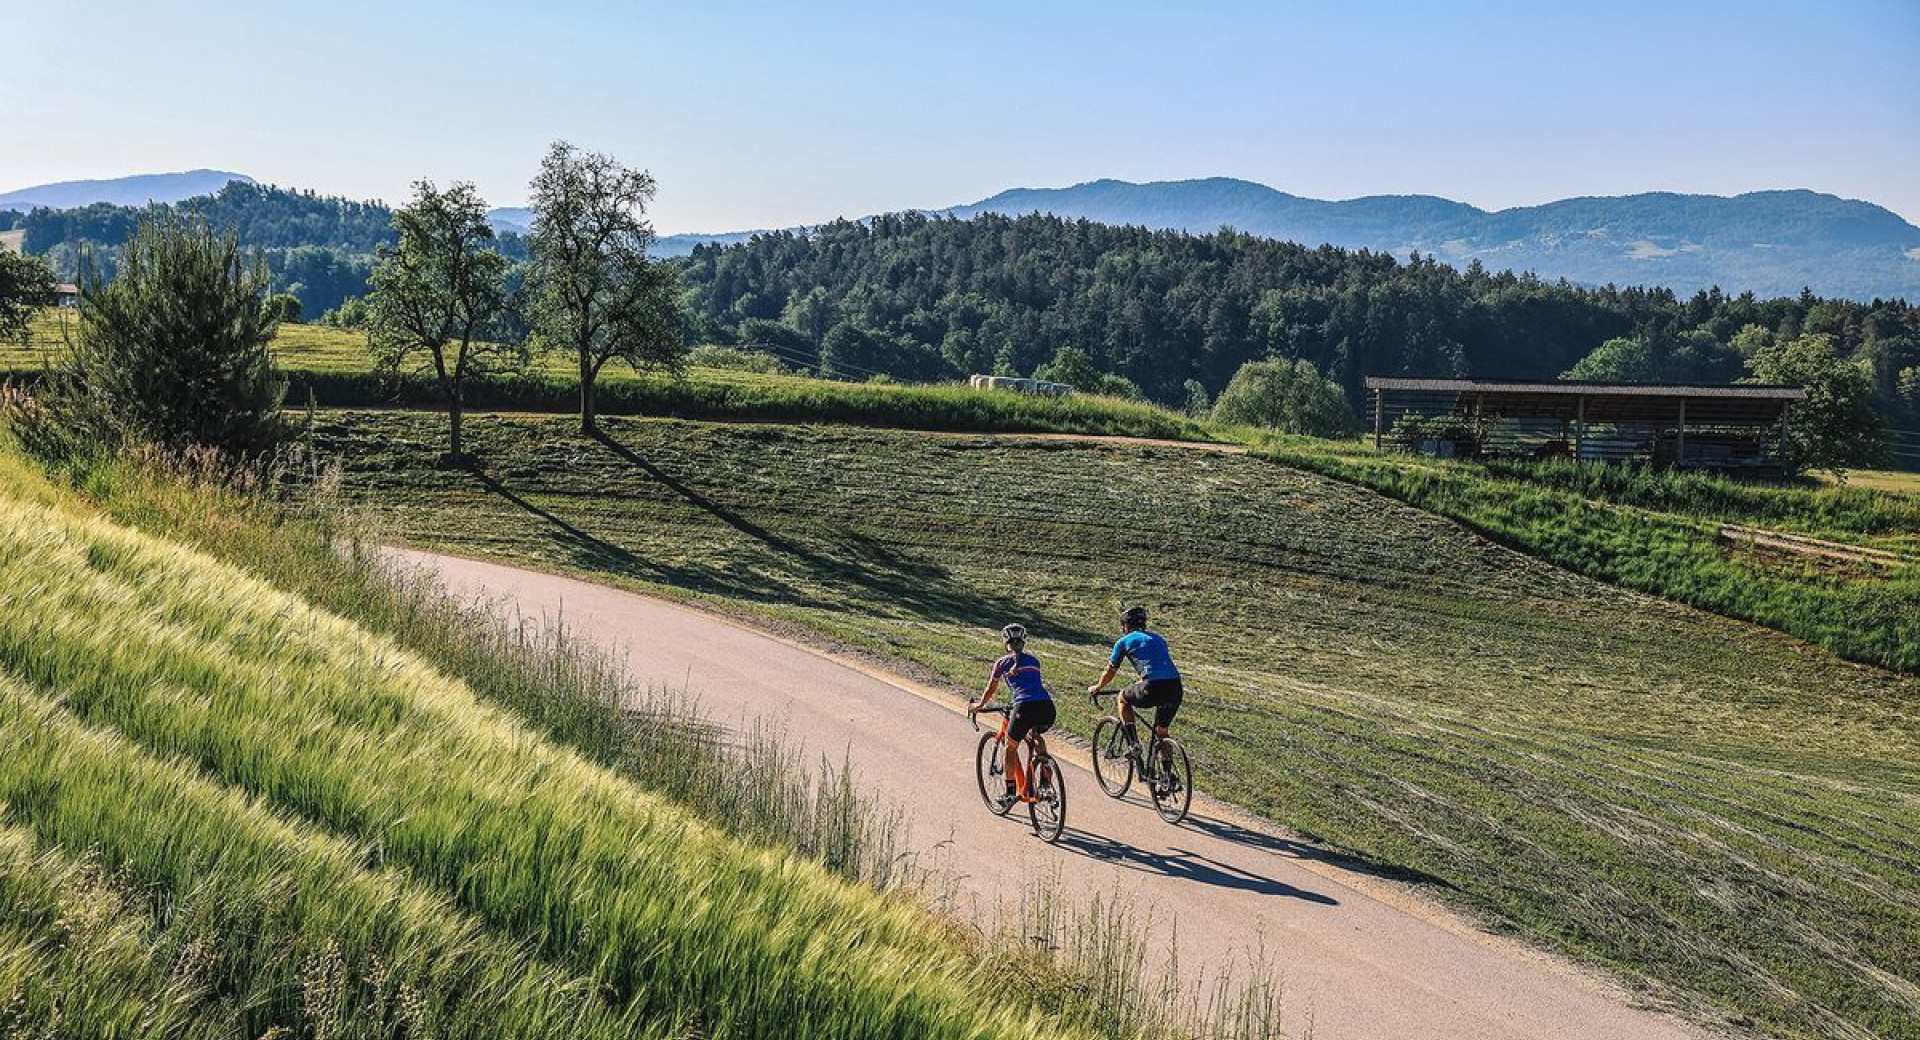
x=1133 y=617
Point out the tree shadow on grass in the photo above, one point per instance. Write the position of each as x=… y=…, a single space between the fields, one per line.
x=867 y=567
x=590 y=552
x=1186 y=866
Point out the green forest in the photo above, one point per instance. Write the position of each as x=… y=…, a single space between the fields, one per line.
x=925 y=297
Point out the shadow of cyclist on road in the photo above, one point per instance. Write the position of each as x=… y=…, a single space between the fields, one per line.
x=1186 y=865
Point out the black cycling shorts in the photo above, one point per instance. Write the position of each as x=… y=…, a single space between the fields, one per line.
x=1162 y=695
x=1029 y=717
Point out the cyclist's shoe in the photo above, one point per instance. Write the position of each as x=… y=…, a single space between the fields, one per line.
x=1010 y=795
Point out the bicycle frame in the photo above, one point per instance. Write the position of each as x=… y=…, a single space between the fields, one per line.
x=1142 y=750
x=1026 y=775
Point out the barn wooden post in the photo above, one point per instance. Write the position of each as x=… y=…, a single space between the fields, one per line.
x=1680 y=448
x=1379 y=415
x=1786 y=443
x=1579 y=427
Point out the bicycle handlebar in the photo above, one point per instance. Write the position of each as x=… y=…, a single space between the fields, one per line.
x=998 y=709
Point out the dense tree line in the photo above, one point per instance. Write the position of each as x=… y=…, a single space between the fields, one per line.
x=320 y=248
x=925 y=297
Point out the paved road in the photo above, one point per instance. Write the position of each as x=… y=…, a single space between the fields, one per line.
x=1360 y=955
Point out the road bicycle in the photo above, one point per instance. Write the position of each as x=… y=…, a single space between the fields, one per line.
x=1162 y=765
x=1046 y=794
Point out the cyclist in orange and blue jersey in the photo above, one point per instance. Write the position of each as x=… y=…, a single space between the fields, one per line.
x=1032 y=711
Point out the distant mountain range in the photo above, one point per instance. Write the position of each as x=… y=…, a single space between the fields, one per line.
x=1771 y=242
x=137 y=190
x=519 y=220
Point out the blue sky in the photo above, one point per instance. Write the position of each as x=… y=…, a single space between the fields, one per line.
x=760 y=115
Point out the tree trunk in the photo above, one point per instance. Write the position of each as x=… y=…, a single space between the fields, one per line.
x=587 y=425
x=453 y=428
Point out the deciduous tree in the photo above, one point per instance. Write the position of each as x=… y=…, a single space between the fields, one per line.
x=440 y=291
x=1290 y=396
x=1836 y=426
x=595 y=292
x=26 y=283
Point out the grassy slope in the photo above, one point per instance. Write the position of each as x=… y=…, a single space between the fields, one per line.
x=1717 y=811
x=1660 y=533
x=325 y=834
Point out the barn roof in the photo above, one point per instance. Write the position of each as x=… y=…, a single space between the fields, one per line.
x=1589 y=388
x=1568 y=400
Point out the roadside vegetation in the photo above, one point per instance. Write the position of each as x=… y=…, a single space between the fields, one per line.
x=1686 y=537
x=1717 y=813
x=274 y=817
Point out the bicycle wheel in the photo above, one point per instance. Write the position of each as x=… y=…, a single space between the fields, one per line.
x=1173 y=788
x=987 y=769
x=1048 y=810
x=1112 y=760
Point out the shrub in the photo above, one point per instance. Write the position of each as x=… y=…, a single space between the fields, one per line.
x=1290 y=396
x=284 y=307
x=174 y=350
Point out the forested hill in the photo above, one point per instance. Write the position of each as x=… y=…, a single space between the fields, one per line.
x=137 y=190
x=1772 y=242
x=923 y=297
x=319 y=247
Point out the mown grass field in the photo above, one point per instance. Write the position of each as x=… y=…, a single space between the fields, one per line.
x=331 y=367
x=1720 y=814
x=1666 y=534
x=225 y=813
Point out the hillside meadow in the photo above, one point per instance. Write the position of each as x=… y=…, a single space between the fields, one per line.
x=1721 y=815
x=225 y=812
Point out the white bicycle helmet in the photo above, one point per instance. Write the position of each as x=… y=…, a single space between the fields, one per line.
x=1015 y=633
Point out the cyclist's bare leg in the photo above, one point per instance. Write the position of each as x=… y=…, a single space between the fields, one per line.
x=1036 y=747
x=1016 y=773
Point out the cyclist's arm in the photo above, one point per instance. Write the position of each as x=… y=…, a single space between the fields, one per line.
x=1105 y=677
x=986 y=695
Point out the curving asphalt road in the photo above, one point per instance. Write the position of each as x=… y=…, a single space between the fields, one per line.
x=1361 y=957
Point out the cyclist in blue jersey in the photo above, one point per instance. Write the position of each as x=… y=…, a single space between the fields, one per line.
x=1032 y=705
x=1159 y=687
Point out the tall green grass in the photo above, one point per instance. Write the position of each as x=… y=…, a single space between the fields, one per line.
x=78 y=952
x=1847 y=513
x=232 y=920
x=735 y=396
x=344 y=729
x=285 y=741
